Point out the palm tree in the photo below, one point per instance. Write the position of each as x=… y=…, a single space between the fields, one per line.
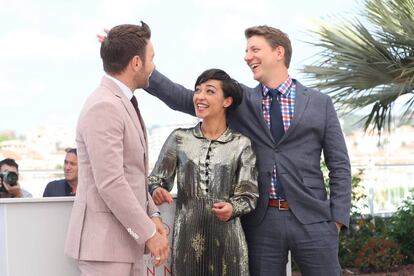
x=368 y=64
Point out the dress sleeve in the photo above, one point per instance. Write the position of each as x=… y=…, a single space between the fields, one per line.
x=246 y=193
x=164 y=170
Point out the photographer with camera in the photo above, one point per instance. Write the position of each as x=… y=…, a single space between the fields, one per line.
x=9 y=180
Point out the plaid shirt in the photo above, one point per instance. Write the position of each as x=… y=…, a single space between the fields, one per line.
x=287 y=104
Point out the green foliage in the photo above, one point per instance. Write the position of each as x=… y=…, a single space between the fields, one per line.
x=368 y=61
x=378 y=255
x=394 y=234
x=350 y=242
x=361 y=229
x=5 y=137
x=364 y=228
x=358 y=195
x=401 y=228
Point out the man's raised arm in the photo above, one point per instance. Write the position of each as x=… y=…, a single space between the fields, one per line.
x=176 y=96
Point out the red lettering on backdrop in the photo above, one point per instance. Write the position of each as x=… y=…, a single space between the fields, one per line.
x=150 y=272
x=167 y=269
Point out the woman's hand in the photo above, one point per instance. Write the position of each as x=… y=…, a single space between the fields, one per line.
x=159 y=226
x=161 y=195
x=223 y=210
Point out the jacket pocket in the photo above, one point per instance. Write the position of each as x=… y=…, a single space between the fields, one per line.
x=317 y=186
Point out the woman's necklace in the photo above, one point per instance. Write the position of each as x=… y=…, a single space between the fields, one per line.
x=214 y=135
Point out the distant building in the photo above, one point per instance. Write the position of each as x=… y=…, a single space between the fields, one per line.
x=388 y=164
x=50 y=139
x=157 y=136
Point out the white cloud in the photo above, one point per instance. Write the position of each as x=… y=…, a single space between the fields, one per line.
x=50 y=34
x=21 y=94
x=44 y=43
x=19 y=10
x=30 y=43
x=121 y=11
x=247 y=7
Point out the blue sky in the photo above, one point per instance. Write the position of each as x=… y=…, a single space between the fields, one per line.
x=49 y=57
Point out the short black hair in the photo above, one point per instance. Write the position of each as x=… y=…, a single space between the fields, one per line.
x=72 y=150
x=231 y=88
x=9 y=162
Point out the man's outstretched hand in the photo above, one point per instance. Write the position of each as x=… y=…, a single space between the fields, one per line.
x=101 y=37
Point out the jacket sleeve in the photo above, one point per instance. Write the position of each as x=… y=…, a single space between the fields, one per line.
x=176 y=96
x=152 y=207
x=337 y=161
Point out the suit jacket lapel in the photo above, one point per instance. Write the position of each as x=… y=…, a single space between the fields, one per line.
x=145 y=143
x=136 y=117
x=301 y=101
x=138 y=122
x=257 y=101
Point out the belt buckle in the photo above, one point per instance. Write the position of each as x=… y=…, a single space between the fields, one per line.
x=281 y=208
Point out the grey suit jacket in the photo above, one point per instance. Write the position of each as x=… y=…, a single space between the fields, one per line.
x=314 y=129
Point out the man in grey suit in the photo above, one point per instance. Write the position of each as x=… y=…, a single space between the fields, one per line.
x=290 y=125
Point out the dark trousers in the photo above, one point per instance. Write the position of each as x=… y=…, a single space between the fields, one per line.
x=314 y=247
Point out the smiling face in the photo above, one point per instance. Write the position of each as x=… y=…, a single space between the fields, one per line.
x=146 y=67
x=209 y=101
x=264 y=61
x=71 y=167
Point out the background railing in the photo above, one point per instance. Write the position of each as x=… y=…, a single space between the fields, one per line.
x=385 y=185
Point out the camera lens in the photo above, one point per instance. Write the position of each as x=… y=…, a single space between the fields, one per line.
x=10 y=178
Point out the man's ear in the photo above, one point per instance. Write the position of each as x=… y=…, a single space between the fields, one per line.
x=136 y=63
x=279 y=52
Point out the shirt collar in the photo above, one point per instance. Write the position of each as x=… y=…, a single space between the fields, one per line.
x=227 y=135
x=283 y=88
x=125 y=89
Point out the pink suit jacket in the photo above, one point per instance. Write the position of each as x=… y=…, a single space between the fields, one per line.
x=110 y=216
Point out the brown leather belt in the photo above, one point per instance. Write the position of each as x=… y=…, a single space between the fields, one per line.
x=281 y=204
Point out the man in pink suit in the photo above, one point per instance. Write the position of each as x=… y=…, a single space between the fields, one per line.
x=113 y=217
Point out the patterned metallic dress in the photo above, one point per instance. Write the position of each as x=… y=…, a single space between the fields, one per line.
x=208 y=171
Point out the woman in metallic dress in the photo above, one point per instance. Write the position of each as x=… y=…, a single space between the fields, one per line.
x=216 y=183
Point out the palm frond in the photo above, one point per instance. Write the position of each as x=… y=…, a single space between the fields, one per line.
x=368 y=65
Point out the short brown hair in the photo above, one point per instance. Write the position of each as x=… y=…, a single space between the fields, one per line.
x=122 y=44
x=9 y=162
x=274 y=37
